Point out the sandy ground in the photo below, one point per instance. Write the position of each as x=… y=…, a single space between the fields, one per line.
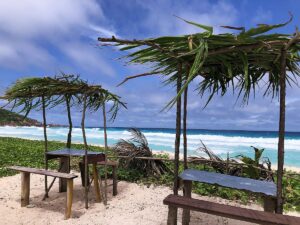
x=134 y=204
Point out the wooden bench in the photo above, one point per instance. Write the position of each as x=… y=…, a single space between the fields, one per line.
x=174 y=202
x=25 y=184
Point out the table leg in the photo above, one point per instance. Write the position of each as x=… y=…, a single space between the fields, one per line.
x=269 y=204
x=65 y=168
x=96 y=183
x=187 y=192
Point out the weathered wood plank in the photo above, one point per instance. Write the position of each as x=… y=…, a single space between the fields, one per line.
x=25 y=188
x=43 y=172
x=232 y=212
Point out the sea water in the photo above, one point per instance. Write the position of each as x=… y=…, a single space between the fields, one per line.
x=221 y=142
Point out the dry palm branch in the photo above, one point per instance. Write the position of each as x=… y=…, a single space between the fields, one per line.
x=216 y=162
x=137 y=146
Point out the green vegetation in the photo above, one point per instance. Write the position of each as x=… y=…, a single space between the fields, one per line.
x=15 y=151
x=15 y=119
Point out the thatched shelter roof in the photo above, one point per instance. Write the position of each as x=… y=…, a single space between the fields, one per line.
x=28 y=93
x=241 y=59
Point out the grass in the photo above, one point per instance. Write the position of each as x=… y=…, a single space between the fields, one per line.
x=16 y=151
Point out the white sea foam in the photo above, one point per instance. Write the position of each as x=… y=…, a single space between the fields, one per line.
x=164 y=141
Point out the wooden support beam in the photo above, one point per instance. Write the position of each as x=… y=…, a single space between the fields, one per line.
x=269 y=204
x=96 y=183
x=25 y=188
x=172 y=216
x=187 y=192
x=115 y=180
x=69 y=199
x=65 y=168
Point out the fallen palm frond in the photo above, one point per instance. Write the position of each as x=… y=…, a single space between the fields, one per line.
x=137 y=146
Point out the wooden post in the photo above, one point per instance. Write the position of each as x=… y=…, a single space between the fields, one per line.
x=106 y=149
x=65 y=168
x=25 y=188
x=269 y=204
x=69 y=140
x=115 y=180
x=178 y=130
x=187 y=192
x=96 y=183
x=85 y=158
x=45 y=144
x=69 y=198
x=185 y=99
x=172 y=216
x=281 y=133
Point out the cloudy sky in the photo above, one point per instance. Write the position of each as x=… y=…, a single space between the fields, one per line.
x=39 y=38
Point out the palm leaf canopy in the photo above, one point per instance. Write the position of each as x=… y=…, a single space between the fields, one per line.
x=28 y=93
x=222 y=60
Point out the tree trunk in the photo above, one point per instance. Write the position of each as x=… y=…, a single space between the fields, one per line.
x=69 y=140
x=281 y=134
x=85 y=148
x=106 y=148
x=178 y=130
x=45 y=143
x=185 y=121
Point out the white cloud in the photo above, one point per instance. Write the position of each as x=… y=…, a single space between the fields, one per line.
x=33 y=32
x=162 y=21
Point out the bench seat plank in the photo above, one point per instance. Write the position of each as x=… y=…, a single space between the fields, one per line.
x=43 y=172
x=232 y=212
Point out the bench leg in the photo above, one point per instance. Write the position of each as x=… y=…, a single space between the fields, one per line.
x=172 y=216
x=269 y=204
x=69 y=198
x=65 y=168
x=96 y=183
x=187 y=192
x=25 y=188
x=115 y=180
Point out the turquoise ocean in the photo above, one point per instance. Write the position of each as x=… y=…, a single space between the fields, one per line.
x=220 y=142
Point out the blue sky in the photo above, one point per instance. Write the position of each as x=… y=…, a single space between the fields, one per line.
x=39 y=38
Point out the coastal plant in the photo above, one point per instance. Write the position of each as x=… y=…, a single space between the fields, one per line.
x=137 y=146
x=255 y=168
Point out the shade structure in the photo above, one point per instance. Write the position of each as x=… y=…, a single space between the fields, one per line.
x=240 y=60
x=48 y=92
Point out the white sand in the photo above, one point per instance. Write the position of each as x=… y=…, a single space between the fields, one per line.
x=134 y=204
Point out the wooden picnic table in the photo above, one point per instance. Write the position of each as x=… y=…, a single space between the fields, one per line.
x=266 y=189
x=64 y=156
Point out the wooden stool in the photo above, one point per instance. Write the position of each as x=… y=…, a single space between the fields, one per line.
x=114 y=166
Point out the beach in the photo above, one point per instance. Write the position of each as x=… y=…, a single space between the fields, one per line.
x=135 y=204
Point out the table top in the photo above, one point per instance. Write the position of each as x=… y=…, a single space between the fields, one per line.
x=241 y=183
x=72 y=152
